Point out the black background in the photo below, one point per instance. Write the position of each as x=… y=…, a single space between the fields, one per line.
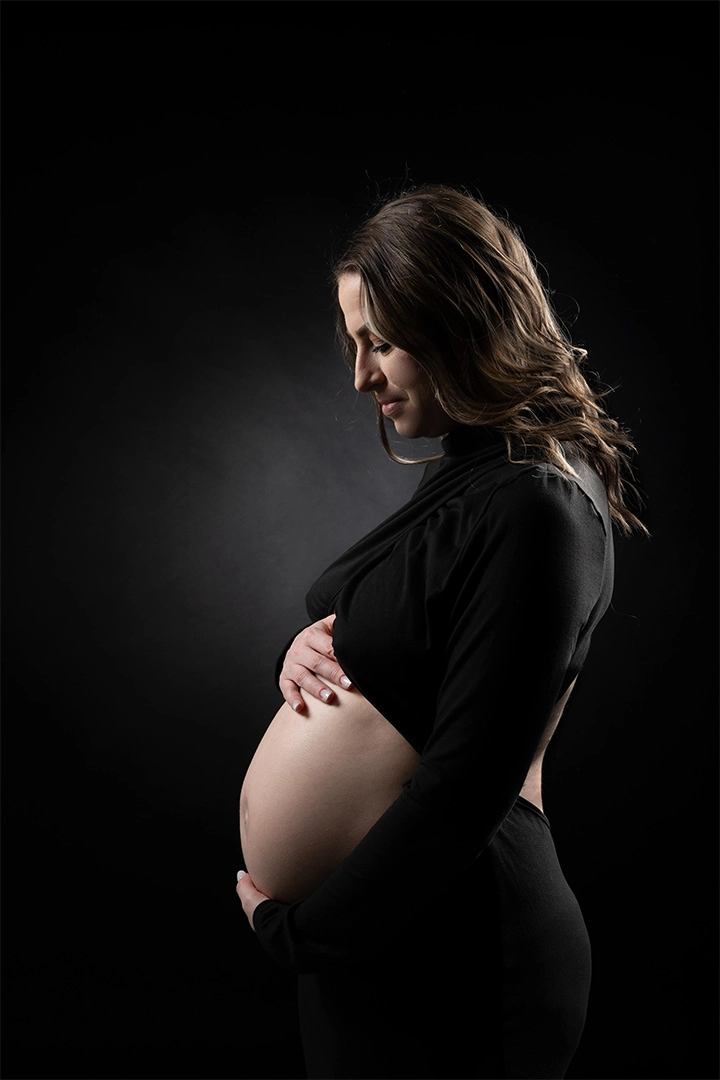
x=184 y=452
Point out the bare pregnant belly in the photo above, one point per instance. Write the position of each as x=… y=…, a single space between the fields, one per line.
x=317 y=783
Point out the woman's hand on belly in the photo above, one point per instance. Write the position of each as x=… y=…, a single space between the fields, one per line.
x=250 y=897
x=311 y=655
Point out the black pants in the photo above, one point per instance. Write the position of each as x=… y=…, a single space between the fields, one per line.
x=495 y=987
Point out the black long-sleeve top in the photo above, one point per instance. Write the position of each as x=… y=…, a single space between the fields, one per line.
x=462 y=618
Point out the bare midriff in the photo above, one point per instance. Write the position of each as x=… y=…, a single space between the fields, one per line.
x=319 y=780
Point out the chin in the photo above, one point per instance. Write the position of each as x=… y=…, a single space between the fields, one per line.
x=421 y=422
x=408 y=431
x=418 y=431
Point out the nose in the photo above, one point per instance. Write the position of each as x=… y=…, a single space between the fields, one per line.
x=368 y=373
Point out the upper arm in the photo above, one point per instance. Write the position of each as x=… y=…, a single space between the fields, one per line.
x=529 y=579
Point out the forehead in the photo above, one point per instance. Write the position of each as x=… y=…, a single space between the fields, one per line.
x=351 y=303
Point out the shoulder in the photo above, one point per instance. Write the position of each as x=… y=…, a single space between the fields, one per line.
x=540 y=503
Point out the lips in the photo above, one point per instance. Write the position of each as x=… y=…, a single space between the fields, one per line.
x=389 y=407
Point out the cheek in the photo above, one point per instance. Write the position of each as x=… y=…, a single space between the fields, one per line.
x=406 y=373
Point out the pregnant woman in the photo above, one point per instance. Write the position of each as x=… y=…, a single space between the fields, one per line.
x=397 y=854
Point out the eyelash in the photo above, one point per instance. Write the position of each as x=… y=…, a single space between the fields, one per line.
x=383 y=348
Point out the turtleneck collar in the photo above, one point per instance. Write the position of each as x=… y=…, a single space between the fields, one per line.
x=465 y=440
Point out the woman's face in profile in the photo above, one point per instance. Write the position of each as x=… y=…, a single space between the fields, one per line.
x=392 y=376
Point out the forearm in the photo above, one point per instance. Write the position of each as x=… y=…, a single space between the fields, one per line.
x=366 y=904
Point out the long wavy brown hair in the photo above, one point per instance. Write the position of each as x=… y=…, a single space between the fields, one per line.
x=451 y=282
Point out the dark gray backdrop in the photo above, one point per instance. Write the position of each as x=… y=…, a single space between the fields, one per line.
x=183 y=452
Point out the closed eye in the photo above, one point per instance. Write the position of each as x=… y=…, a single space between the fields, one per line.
x=383 y=348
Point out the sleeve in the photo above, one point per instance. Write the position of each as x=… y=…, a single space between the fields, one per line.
x=531 y=574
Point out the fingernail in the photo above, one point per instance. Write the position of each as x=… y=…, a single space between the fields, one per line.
x=345 y=682
x=296 y=705
x=241 y=874
x=325 y=694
